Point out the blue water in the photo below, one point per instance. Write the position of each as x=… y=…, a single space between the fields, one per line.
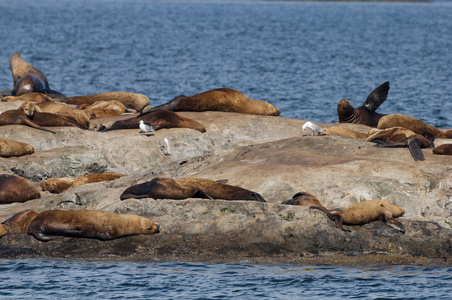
x=62 y=279
x=302 y=57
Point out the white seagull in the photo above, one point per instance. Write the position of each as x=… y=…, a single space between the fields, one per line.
x=145 y=128
x=315 y=128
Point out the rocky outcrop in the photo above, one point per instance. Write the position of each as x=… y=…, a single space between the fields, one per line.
x=265 y=154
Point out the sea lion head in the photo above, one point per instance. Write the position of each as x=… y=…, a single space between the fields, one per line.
x=149 y=226
x=344 y=111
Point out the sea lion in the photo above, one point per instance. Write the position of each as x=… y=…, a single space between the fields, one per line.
x=18 y=117
x=16 y=189
x=224 y=99
x=158 y=120
x=445 y=149
x=27 y=79
x=3 y=230
x=342 y=131
x=400 y=137
x=130 y=100
x=183 y=188
x=94 y=224
x=104 y=109
x=18 y=223
x=365 y=212
x=364 y=114
x=34 y=112
x=10 y=148
x=413 y=124
x=33 y=97
x=82 y=117
x=59 y=185
x=304 y=199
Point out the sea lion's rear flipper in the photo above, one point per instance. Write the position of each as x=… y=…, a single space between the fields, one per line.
x=383 y=144
x=222 y=181
x=377 y=97
x=330 y=216
x=416 y=152
x=338 y=220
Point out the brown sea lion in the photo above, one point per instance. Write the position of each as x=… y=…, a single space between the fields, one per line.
x=342 y=131
x=364 y=114
x=16 y=189
x=183 y=188
x=104 y=109
x=59 y=185
x=82 y=117
x=130 y=100
x=18 y=223
x=10 y=148
x=18 y=117
x=365 y=212
x=305 y=199
x=27 y=79
x=34 y=112
x=94 y=224
x=413 y=124
x=400 y=137
x=158 y=120
x=445 y=149
x=33 y=97
x=3 y=230
x=227 y=100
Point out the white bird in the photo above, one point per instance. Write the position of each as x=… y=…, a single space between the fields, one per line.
x=145 y=128
x=315 y=128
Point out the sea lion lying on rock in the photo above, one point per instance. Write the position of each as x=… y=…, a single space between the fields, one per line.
x=104 y=109
x=95 y=224
x=157 y=120
x=413 y=124
x=400 y=137
x=82 y=117
x=183 y=188
x=365 y=212
x=364 y=114
x=10 y=148
x=445 y=149
x=16 y=189
x=18 y=117
x=304 y=199
x=59 y=185
x=33 y=97
x=342 y=131
x=18 y=223
x=224 y=99
x=130 y=100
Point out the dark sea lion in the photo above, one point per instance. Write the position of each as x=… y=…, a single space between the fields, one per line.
x=158 y=120
x=18 y=117
x=305 y=199
x=365 y=212
x=183 y=188
x=401 y=137
x=16 y=189
x=59 y=185
x=130 y=100
x=34 y=112
x=18 y=223
x=27 y=79
x=224 y=99
x=10 y=148
x=413 y=124
x=364 y=114
x=3 y=230
x=445 y=149
x=94 y=224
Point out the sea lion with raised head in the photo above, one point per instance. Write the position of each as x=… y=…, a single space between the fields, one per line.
x=59 y=185
x=10 y=148
x=27 y=79
x=445 y=149
x=224 y=99
x=34 y=112
x=365 y=212
x=16 y=189
x=364 y=114
x=401 y=137
x=158 y=120
x=18 y=223
x=130 y=100
x=183 y=188
x=94 y=224
x=18 y=117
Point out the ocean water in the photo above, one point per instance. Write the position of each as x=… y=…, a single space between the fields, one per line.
x=303 y=57
x=67 y=279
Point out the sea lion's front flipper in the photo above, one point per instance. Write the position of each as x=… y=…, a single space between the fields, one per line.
x=338 y=220
x=200 y=194
x=416 y=152
x=395 y=224
x=377 y=97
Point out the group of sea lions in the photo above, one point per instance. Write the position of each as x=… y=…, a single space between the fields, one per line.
x=41 y=107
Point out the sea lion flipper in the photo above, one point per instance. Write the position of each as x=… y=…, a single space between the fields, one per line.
x=200 y=194
x=395 y=224
x=338 y=221
x=330 y=216
x=415 y=150
x=377 y=97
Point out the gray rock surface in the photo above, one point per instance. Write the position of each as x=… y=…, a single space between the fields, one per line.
x=268 y=155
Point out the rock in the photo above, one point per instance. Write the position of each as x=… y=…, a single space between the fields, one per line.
x=268 y=155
